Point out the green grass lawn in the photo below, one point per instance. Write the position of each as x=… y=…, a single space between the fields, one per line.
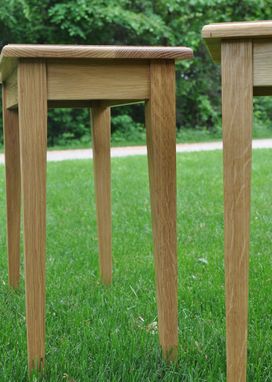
x=96 y=333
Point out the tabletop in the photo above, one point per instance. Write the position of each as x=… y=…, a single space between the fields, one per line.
x=11 y=52
x=95 y=51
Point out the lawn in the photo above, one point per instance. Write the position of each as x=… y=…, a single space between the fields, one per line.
x=96 y=333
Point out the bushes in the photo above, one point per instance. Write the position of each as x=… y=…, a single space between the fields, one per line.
x=141 y=22
x=68 y=127
x=124 y=128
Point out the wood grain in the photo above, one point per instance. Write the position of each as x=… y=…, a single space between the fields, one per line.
x=13 y=190
x=161 y=145
x=33 y=142
x=101 y=132
x=214 y=34
x=262 y=63
x=237 y=103
x=96 y=51
x=238 y=29
x=88 y=80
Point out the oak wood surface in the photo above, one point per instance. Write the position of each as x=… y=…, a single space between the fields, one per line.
x=262 y=63
x=44 y=80
x=95 y=51
x=214 y=33
x=11 y=52
x=241 y=29
x=101 y=133
x=110 y=80
x=33 y=142
x=161 y=146
x=13 y=190
x=237 y=103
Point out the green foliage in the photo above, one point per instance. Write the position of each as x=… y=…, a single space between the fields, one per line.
x=138 y=22
x=125 y=128
x=65 y=126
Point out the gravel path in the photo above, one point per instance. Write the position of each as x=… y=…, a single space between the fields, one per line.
x=56 y=156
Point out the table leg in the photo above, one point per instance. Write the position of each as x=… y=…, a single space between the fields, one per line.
x=32 y=95
x=13 y=191
x=161 y=145
x=102 y=176
x=237 y=103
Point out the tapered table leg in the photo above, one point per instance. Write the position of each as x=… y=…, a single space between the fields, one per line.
x=13 y=191
x=102 y=177
x=33 y=141
x=161 y=145
x=237 y=89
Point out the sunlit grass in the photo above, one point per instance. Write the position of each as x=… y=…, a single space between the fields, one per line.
x=109 y=334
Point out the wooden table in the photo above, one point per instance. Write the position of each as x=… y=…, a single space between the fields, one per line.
x=36 y=77
x=244 y=50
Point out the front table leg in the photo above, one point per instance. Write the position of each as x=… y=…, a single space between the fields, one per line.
x=101 y=133
x=161 y=145
x=237 y=98
x=32 y=97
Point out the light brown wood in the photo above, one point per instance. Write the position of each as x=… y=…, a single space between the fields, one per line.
x=214 y=33
x=262 y=63
x=95 y=51
x=12 y=90
x=97 y=77
x=101 y=132
x=242 y=29
x=33 y=142
x=237 y=101
x=98 y=80
x=7 y=66
x=13 y=190
x=260 y=33
x=161 y=145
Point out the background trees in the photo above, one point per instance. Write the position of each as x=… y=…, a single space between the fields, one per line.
x=137 y=22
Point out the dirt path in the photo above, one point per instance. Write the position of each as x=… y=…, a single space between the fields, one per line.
x=56 y=156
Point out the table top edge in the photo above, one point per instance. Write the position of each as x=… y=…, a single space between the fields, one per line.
x=93 y=51
x=242 y=29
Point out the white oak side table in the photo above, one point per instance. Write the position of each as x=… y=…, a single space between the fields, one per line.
x=36 y=77
x=244 y=50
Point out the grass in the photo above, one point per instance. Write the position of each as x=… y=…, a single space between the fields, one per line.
x=96 y=333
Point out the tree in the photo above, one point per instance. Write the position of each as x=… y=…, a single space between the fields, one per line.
x=138 y=22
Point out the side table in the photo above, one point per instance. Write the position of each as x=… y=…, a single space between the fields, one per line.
x=36 y=77
x=245 y=52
